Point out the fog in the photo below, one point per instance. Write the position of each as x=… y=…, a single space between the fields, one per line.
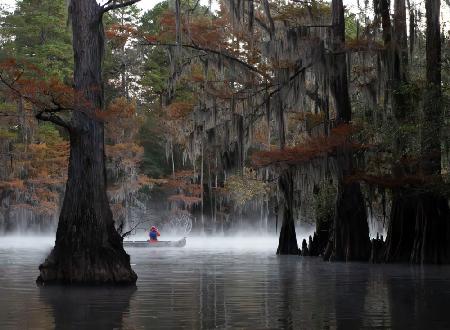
x=244 y=240
x=26 y=241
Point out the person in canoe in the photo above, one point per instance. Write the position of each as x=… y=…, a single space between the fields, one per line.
x=154 y=233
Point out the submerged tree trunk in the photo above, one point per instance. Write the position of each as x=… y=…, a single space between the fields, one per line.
x=419 y=228
x=432 y=236
x=88 y=248
x=288 y=239
x=400 y=234
x=351 y=231
x=349 y=235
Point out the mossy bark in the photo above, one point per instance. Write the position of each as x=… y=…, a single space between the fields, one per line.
x=349 y=235
x=88 y=248
x=288 y=239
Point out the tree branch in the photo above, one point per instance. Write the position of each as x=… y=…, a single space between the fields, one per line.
x=212 y=51
x=51 y=117
x=129 y=232
x=48 y=112
x=113 y=4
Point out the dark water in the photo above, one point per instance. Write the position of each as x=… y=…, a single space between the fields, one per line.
x=204 y=286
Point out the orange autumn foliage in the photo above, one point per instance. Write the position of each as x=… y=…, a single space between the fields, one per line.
x=14 y=184
x=313 y=148
x=187 y=200
x=46 y=94
x=186 y=192
x=179 y=109
x=42 y=168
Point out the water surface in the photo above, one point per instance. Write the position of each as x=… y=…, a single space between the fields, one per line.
x=225 y=283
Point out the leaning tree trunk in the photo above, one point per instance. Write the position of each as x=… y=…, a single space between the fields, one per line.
x=349 y=235
x=88 y=248
x=288 y=239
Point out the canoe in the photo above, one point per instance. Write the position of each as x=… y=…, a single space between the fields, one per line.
x=157 y=244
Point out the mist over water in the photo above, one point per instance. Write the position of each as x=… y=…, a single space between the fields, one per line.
x=224 y=281
x=27 y=241
x=244 y=240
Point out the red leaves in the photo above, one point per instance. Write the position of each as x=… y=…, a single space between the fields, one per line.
x=15 y=184
x=363 y=45
x=187 y=200
x=119 y=109
x=119 y=34
x=304 y=152
x=187 y=193
x=45 y=168
x=151 y=38
x=179 y=109
x=49 y=95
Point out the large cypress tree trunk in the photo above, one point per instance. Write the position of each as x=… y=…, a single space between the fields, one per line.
x=400 y=234
x=88 y=248
x=349 y=237
x=419 y=227
x=432 y=227
x=288 y=239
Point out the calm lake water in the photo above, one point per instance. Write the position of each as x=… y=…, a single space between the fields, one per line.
x=211 y=283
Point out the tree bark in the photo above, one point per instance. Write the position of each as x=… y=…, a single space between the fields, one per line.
x=431 y=138
x=349 y=235
x=88 y=248
x=400 y=233
x=400 y=236
x=351 y=231
x=432 y=227
x=287 y=243
x=419 y=227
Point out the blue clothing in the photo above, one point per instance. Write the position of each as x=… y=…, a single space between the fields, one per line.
x=154 y=235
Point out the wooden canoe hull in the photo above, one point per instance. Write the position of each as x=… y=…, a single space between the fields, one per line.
x=158 y=244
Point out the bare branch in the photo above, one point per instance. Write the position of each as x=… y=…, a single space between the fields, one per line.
x=212 y=51
x=113 y=4
x=8 y=114
x=51 y=117
x=291 y=78
x=196 y=5
x=129 y=232
x=266 y=8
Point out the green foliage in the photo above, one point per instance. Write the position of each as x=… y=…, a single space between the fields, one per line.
x=156 y=67
x=351 y=26
x=150 y=19
x=49 y=134
x=154 y=163
x=156 y=72
x=8 y=134
x=122 y=65
x=37 y=33
x=324 y=202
